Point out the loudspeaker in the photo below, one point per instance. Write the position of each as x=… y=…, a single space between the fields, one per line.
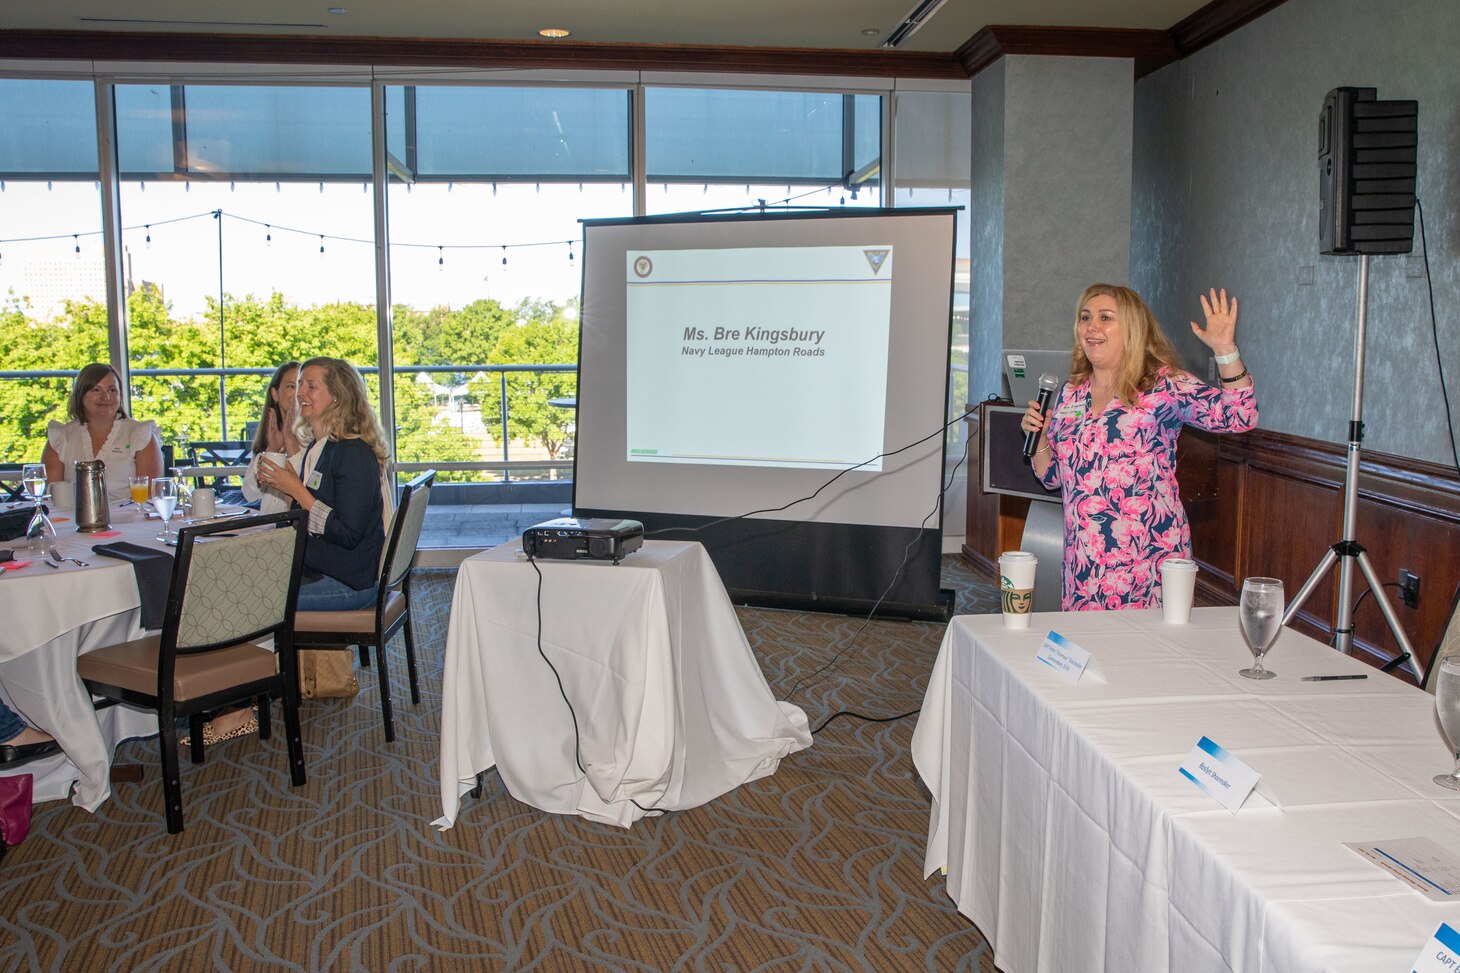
x=1366 y=173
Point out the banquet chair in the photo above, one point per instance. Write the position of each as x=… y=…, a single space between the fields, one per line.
x=391 y=613
x=228 y=593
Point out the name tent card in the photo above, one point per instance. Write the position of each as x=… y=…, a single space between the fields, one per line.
x=1222 y=775
x=1068 y=659
x=1441 y=954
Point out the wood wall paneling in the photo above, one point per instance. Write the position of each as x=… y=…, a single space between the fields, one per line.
x=1274 y=506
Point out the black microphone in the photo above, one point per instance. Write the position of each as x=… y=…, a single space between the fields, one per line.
x=1049 y=384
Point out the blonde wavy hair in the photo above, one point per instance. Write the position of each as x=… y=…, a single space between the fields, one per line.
x=350 y=415
x=1147 y=349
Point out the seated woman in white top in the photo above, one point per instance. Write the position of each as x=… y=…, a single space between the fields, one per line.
x=100 y=429
x=277 y=433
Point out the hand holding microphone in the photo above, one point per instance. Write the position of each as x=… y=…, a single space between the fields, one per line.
x=1034 y=419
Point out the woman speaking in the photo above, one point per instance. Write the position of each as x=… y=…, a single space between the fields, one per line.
x=1109 y=442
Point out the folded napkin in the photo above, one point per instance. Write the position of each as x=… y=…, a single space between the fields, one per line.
x=153 y=570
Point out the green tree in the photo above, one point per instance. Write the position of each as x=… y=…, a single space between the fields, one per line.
x=533 y=340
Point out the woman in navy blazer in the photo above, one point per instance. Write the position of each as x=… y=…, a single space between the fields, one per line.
x=339 y=484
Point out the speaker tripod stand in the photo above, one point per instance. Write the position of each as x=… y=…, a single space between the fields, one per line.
x=1348 y=551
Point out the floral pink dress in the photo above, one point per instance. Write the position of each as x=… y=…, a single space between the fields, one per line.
x=1123 y=512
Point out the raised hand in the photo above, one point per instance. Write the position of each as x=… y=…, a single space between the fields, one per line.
x=1220 y=333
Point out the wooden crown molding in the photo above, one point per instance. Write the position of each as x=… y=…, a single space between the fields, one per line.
x=997 y=40
x=1149 y=49
x=1216 y=20
x=447 y=52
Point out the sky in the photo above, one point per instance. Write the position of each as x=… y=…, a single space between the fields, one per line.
x=449 y=241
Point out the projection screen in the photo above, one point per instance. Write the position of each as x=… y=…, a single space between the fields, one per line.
x=730 y=365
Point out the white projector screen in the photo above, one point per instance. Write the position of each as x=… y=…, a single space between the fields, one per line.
x=735 y=364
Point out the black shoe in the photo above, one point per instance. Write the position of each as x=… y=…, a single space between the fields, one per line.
x=10 y=754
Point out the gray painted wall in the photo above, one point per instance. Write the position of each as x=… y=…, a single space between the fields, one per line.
x=1226 y=187
x=986 y=222
x=1067 y=190
x=1051 y=200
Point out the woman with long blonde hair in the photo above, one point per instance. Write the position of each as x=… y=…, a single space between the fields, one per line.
x=1109 y=442
x=339 y=482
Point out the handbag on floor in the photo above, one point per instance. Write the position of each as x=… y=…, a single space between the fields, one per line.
x=327 y=672
x=15 y=795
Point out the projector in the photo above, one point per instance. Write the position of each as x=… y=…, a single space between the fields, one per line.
x=594 y=538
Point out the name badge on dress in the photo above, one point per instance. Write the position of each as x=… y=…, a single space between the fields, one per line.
x=314 y=480
x=1070 y=410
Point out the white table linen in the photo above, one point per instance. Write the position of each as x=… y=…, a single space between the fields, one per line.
x=49 y=617
x=672 y=708
x=1072 y=842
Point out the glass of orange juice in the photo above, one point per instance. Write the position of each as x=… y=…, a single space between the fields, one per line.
x=139 y=486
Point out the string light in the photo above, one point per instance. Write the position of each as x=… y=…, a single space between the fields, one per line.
x=570 y=251
x=504 y=255
x=321 y=244
x=77 y=239
x=440 y=258
x=268 y=235
x=149 y=236
x=494 y=189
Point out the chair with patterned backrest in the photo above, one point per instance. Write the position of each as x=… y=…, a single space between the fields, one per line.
x=228 y=593
x=392 y=610
x=1449 y=645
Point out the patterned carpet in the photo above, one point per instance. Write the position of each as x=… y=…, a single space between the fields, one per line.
x=815 y=868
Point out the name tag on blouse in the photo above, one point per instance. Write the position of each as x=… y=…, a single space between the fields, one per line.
x=1070 y=410
x=315 y=480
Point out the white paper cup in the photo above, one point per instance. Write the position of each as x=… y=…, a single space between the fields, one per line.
x=63 y=496
x=1016 y=587
x=203 y=503
x=1178 y=586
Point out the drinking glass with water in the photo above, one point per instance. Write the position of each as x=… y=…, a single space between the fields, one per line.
x=1260 y=612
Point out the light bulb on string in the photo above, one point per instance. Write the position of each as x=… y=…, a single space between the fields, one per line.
x=440 y=259
x=504 y=255
x=277 y=188
x=450 y=186
x=321 y=244
x=77 y=240
x=187 y=186
x=321 y=187
x=142 y=186
x=230 y=185
x=268 y=235
x=570 y=251
x=538 y=187
x=408 y=189
x=494 y=189
x=149 y=236
x=2 y=185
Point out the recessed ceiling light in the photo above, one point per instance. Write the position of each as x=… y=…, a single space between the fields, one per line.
x=339 y=10
x=870 y=31
x=553 y=32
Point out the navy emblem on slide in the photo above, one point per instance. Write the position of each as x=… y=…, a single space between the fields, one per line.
x=643 y=266
x=875 y=258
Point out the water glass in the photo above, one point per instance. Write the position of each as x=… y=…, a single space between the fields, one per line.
x=1260 y=612
x=1447 y=705
x=33 y=476
x=164 y=501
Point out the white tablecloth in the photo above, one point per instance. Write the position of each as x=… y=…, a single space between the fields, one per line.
x=671 y=705
x=48 y=617
x=1072 y=842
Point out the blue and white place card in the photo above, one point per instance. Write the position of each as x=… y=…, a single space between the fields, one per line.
x=1068 y=659
x=1421 y=863
x=1441 y=954
x=1222 y=775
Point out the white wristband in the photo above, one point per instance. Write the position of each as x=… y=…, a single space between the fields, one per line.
x=1227 y=359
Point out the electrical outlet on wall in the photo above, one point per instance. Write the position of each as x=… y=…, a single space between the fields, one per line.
x=1409 y=587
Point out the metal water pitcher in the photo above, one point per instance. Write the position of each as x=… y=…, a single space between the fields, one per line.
x=92 y=511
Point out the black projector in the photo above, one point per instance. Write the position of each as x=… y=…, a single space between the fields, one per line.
x=594 y=538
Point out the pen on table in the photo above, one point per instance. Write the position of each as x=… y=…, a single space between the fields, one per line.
x=1355 y=675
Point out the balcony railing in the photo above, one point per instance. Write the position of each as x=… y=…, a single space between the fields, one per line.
x=221 y=428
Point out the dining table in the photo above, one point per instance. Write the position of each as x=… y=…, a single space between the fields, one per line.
x=1074 y=837
x=50 y=614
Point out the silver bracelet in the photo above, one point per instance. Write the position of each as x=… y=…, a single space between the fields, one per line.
x=1227 y=359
